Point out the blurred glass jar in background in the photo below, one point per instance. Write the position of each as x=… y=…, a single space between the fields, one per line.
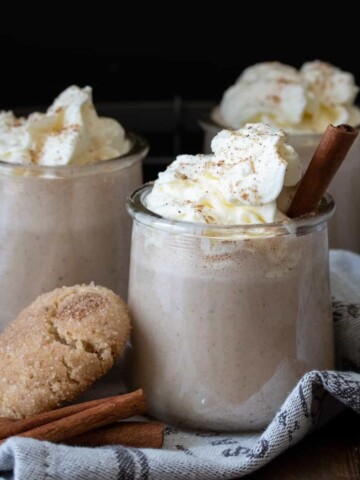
x=64 y=177
x=65 y=225
x=302 y=102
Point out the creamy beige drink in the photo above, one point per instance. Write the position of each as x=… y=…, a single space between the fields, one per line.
x=303 y=102
x=230 y=299
x=64 y=177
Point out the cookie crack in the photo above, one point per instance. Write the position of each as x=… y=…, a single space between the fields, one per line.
x=100 y=351
x=79 y=344
x=68 y=371
x=55 y=335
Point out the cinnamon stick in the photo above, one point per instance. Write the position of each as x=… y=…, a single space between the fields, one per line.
x=330 y=153
x=130 y=434
x=116 y=408
x=8 y=429
x=6 y=420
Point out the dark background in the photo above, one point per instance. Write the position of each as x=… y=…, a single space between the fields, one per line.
x=193 y=60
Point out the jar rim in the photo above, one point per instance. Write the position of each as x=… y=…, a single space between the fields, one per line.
x=207 y=122
x=137 y=209
x=139 y=149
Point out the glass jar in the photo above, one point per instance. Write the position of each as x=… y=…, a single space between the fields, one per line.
x=226 y=319
x=65 y=225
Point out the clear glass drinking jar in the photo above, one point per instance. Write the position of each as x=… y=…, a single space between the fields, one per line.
x=65 y=225
x=226 y=319
x=344 y=227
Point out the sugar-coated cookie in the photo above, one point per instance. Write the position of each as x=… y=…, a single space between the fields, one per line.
x=58 y=346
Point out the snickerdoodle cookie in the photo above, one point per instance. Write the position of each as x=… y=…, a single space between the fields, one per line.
x=58 y=346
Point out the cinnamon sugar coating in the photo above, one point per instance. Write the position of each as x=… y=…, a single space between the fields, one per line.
x=58 y=346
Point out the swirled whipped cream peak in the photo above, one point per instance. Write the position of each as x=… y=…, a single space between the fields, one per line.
x=70 y=132
x=301 y=101
x=240 y=183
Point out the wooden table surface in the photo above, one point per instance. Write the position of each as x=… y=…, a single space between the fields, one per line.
x=332 y=453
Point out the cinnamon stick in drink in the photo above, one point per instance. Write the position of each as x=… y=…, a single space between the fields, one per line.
x=117 y=408
x=130 y=434
x=330 y=153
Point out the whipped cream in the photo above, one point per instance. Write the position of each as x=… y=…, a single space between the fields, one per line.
x=70 y=132
x=239 y=184
x=301 y=101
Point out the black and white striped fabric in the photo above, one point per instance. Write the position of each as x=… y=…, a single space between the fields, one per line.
x=189 y=455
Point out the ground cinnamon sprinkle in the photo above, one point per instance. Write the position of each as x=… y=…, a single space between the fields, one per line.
x=81 y=305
